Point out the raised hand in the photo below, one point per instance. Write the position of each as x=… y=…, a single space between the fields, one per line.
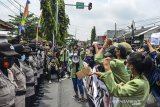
x=106 y=63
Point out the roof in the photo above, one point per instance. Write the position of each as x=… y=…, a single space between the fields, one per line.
x=4 y=26
x=136 y=32
x=148 y=30
x=140 y=31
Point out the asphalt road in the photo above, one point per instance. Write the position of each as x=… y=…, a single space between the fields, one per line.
x=59 y=94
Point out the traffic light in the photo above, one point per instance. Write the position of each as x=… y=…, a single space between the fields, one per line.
x=89 y=6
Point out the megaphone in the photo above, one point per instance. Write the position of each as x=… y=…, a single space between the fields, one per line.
x=75 y=58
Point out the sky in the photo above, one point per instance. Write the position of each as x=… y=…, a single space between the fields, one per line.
x=104 y=15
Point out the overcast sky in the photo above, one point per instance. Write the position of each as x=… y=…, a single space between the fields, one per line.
x=104 y=14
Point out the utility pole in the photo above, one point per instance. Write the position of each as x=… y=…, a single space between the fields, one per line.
x=133 y=28
x=56 y=33
x=115 y=31
x=75 y=33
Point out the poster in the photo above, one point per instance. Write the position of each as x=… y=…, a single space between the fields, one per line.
x=155 y=38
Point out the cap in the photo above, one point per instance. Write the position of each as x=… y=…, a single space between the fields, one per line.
x=7 y=49
x=21 y=49
x=110 y=51
x=127 y=46
x=32 y=46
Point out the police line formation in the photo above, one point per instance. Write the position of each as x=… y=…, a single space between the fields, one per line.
x=113 y=75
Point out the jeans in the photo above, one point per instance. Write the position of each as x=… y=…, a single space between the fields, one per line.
x=78 y=84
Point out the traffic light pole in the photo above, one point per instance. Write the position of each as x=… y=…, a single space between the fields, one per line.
x=75 y=5
x=55 y=36
x=70 y=4
x=89 y=5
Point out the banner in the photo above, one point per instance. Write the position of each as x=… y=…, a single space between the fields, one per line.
x=97 y=92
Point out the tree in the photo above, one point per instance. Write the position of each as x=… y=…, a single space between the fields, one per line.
x=93 y=34
x=71 y=41
x=49 y=21
x=30 y=27
x=63 y=23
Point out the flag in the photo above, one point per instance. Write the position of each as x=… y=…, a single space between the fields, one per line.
x=37 y=35
x=23 y=21
x=39 y=25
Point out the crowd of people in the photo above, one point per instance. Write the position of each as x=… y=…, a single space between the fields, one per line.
x=21 y=74
x=131 y=74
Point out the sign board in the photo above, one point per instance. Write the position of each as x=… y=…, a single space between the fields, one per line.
x=79 y=5
x=155 y=39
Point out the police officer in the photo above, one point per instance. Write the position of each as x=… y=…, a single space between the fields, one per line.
x=20 y=79
x=7 y=84
x=7 y=91
x=35 y=63
x=29 y=74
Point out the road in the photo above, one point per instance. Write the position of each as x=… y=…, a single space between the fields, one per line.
x=59 y=94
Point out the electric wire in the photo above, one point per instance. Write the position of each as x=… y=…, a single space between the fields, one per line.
x=13 y=4
x=24 y=7
x=7 y=7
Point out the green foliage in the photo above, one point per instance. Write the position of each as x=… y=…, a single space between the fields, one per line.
x=63 y=23
x=49 y=21
x=93 y=34
x=30 y=27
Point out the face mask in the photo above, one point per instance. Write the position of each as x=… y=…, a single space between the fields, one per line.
x=38 y=52
x=23 y=57
x=30 y=58
x=6 y=64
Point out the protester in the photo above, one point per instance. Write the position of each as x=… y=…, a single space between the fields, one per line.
x=117 y=64
x=135 y=92
x=75 y=67
x=54 y=66
x=153 y=76
x=64 y=57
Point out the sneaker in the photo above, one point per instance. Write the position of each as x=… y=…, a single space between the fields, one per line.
x=75 y=97
x=82 y=100
x=50 y=82
x=66 y=76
